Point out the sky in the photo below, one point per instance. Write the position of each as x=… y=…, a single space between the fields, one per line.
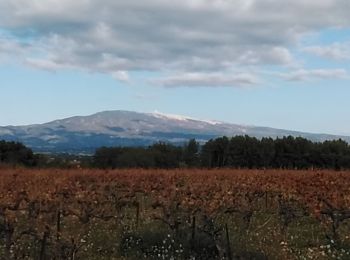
x=283 y=64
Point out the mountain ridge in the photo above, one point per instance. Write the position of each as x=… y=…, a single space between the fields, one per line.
x=83 y=134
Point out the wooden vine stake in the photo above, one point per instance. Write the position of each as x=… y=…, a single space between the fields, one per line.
x=228 y=244
x=193 y=235
x=44 y=243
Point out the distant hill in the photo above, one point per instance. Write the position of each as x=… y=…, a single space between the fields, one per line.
x=83 y=134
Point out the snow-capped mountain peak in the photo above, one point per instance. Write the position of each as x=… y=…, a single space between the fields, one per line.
x=183 y=118
x=126 y=128
x=170 y=116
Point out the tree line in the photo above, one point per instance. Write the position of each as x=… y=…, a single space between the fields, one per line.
x=287 y=152
x=159 y=155
x=236 y=152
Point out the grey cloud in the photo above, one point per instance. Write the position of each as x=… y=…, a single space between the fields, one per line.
x=335 y=51
x=195 y=36
x=317 y=74
x=268 y=55
x=121 y=76
x=208 y=80
x=11 y=49
x=44 y=64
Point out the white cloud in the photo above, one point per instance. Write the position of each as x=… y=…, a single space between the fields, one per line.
x=10 y=49
x=317 y=74
x=121 y=76
x=44 y=64
x=196 y=36
x=208 y=80
x=268 y=55
x=335 y=51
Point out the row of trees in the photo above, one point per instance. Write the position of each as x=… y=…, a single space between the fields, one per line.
x=235 y=152
x=288 y=152
x=159 y=155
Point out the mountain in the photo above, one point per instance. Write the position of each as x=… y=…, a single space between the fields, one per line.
x=83 y=134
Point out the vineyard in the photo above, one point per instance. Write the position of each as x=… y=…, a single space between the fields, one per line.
x=174 y=214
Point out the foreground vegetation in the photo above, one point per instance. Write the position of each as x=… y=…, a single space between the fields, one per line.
x=174 y=214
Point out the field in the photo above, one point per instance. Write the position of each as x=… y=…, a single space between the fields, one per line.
x=174 y=214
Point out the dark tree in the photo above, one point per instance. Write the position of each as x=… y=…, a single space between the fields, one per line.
x=191 y=153
x=14 y=153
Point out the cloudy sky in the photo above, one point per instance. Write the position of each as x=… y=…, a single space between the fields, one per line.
x=275 y=63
